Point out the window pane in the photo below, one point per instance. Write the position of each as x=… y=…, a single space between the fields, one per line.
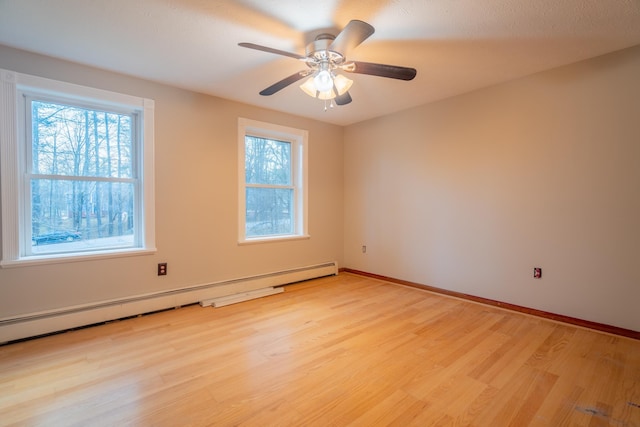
x=70 y=140
x=267 y=161
x=269 y=212
x=70 y=215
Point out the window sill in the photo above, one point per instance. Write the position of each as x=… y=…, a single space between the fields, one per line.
x=259 y=240
x=74 y=257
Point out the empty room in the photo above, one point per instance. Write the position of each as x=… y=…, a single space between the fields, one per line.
x=319 y=213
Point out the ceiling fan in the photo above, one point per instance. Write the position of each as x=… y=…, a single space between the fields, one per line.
x=325 y=56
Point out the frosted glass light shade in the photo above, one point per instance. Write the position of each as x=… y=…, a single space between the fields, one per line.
x=323 y=81
x=308 y=87
x=340 y=83
x=327 y=94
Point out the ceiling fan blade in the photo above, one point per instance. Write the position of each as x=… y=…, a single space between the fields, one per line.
x=343 y=99
x=380 y=70
x=351 y=36
x=272 y=50
x=285 y=82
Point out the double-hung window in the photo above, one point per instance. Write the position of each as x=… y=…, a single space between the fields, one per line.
x=273 y=184
x=77 y=171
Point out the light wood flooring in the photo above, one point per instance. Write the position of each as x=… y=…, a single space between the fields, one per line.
x=338 y=351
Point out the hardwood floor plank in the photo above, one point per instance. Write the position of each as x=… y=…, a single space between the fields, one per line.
x=344 y=350
x=386 y=412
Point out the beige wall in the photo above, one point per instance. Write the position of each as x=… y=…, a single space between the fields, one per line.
x=470 y=193
x=467 y=194
x=196 y=200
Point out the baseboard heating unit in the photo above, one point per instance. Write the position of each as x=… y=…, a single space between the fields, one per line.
x=211 y=294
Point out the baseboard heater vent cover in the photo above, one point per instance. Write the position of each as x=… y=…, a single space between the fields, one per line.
x=240 y=297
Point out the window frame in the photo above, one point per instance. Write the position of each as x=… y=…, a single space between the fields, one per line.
x=298 y=139
x=15 y=153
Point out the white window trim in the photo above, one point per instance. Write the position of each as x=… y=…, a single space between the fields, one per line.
x=299 y=144
x=11 y=146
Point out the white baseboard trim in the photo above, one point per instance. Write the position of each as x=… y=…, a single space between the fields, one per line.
x=34 y=324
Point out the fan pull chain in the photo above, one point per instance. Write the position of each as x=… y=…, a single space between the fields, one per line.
x=331 y=104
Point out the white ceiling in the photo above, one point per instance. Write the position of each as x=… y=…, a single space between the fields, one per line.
x=456 y=45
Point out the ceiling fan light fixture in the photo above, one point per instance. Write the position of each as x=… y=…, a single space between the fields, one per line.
x=310 y=88
x=339 y=86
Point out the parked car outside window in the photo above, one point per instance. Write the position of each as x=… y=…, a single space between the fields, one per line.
x=56 y=237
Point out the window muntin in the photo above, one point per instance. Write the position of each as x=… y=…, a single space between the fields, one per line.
x=273 y=197
x=76 y=169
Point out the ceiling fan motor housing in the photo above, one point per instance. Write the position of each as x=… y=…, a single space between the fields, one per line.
x=319 y=51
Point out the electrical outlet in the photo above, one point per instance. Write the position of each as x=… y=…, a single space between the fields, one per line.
x=162 y=269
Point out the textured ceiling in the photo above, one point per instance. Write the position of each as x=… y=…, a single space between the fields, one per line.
x=456 y=45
